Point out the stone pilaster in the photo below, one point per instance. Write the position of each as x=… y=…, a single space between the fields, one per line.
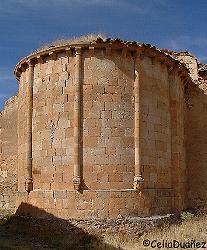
x=77 y=125
x=138 y=180
x=29 y=181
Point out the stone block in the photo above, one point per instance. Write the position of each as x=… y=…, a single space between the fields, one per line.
x=64 y=123
x=128 y=177
x=102 y=159
x=102 y=177
x=60 y=194
x=113 y=212
x=90 y=141
x=116 y=177
x=58 y=177
x=94 y=131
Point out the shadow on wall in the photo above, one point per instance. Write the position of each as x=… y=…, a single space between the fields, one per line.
x=46 y=232
x=196 y=146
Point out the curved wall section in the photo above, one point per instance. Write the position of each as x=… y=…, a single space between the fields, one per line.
x=53 y=120
x=101 y=131
x=108 y=120
x=162 y=130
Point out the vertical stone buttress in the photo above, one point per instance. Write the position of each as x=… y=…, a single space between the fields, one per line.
x=77 y=120
x=138 y=180
x=29 y=181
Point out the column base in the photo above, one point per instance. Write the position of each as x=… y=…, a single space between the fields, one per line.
x=138 y=182
x=29 y=185
x=76 y=182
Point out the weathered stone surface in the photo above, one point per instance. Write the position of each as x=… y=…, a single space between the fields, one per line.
x=93 y=122
x=8 y=155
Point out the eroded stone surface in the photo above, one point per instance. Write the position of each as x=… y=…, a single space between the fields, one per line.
x=85 y=120
x=8 y=155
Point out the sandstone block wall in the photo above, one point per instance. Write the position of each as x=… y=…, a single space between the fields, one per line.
x=196 y=141
x=8 y=155
x=195 y=136
x=162 y=130
x=194 y=130
x=94 y=120
x=108 y=121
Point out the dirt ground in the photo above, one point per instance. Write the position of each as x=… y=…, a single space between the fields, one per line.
x=28 y=233
x=25 y=233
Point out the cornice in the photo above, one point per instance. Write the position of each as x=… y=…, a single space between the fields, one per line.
x=140 y=49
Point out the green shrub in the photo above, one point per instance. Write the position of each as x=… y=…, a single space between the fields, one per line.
x=186 y=215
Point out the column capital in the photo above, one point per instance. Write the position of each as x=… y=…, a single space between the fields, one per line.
x=39 y=59
x=52 y=55
x=68 y=51
x=22 y=67
x=30 y=63
x=91 y=50
x=78 y=51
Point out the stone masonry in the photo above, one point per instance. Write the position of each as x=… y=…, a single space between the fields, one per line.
x=105 y=128
x=8 y=155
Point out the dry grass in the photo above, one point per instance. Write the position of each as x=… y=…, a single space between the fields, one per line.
x=60 y=234
x=85 y=39
x=190 y=229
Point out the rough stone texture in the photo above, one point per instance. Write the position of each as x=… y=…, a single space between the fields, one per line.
x=196 y=141
x=108 y=121
x=82 y=128
x=98 y=203
x=107 y=124
x=195 y=138
x=130 y=226
x=8 y=155
x=191 y=63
